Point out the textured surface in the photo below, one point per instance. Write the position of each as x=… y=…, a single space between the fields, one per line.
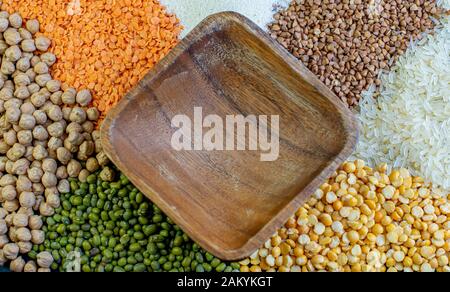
x=191 y=12
x=408 y=125
x=106 y=46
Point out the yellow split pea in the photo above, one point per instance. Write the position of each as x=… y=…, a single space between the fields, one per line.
x=363 y=220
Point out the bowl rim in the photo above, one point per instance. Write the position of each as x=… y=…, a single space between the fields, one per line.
x=348 y=121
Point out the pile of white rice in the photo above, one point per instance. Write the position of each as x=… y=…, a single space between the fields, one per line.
x=408 y=123
x=191 y=12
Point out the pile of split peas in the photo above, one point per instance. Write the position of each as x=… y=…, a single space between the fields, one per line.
x=363 y=220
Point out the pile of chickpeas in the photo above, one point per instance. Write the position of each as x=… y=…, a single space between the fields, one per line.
x=47 y=135
x=363 y=220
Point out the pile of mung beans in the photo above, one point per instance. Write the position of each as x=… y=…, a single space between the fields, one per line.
x=106 y=225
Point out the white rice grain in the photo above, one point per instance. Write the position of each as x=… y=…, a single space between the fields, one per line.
x=408 y=124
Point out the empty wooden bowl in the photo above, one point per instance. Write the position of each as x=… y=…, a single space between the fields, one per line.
x=230 y=202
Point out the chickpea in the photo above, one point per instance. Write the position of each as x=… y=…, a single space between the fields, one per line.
x=93 y=114
x=49 y=180
x=25 y=137
x=17 y=265
x=55 y=113
x=37 y=237
x=34 y=61
x=75 y=138
x=9 y=193
x=54 y=143
x=41 y=68
x=27 y=108
x=56 y=99
x=7 y=179
x=78 y=115
x=12 y=114
x=46 y=210
x=84 y=97
x=40 y=117
x=15 y=20
x=23 y=234
x=73 y=168
x=32 y=26
x=22 y=92
x=64 y=186
x=27 y=200
x=48 y=58
x=43 y=79
x=40 y=133
x=12 y=36
x=44 y=259
x=6 y=94
x=7 y=67
x=11 y=251
x=20 y=166
x=27 y=122
x=28 y=45
x=56 y=129
x=25 y=34
x=74 y=127
x=4 y=24
x=13 y=53
x=53 y=86
x=69 y=97
x=88 y=128
x=102 y=159
x=40 y=152
x=82 y=177
x=42 y=43
x=64 y=155
x=23 y=64
x=25 y=247
x=35 y=174
x=32 y=75
x=49 y=165
x=86 y=150
x=23 y=184
x=70 y=146
x=30 y=267
x=10 y=137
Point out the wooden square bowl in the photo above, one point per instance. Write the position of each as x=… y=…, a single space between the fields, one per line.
x=230 y=202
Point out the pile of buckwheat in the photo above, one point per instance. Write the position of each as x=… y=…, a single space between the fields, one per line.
x=347 y=42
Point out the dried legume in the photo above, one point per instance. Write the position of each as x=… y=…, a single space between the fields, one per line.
x=105 y=46
x=38 y=151
x=392 y=233
x=109 y=226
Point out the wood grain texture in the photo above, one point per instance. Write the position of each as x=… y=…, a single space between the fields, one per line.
x=229 y=201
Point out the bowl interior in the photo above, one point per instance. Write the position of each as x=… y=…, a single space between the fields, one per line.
x=226 y=199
